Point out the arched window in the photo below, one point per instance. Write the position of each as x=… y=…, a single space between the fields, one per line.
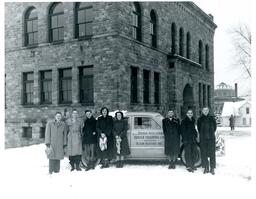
x=207 y=57
x=181 y=42
x=56 y=22
x=174 y=38
x=136 y=21
x=31 y=31
x=153 y=28
x=188 y=45
x=83 y=20
x=200 y=51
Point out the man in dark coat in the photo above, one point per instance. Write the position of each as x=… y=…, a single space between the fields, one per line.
x=171 y=130
x=206 y=125
x=189 y=134
x=89 y=139
x=104 y=128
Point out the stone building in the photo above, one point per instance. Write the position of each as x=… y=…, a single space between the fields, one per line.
x=224 y=93
x=147 y=56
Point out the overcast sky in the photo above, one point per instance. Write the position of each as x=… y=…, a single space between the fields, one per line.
x=227 y=14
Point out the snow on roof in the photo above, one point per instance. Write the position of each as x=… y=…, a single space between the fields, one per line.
x=232 y=108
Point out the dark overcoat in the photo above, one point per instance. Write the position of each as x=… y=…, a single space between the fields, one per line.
x=88 y=131
x=171 y=130
x=206 y=126
x=105 y=125
x=188 y=131
x=120 y=128
x=56 y=137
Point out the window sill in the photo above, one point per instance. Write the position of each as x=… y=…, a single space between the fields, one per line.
x=88 y=37
x=31 y=46
x=87 y=104
x=57 y=42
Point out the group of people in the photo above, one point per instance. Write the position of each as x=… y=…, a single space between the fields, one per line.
x=173 y=129
x=106 y=139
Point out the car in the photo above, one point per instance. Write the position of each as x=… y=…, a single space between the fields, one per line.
x=146 y=138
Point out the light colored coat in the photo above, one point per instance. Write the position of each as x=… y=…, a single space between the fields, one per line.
x=56 y=137
x=75 y=132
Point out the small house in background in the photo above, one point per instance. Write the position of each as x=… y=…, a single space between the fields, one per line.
x=240 y=110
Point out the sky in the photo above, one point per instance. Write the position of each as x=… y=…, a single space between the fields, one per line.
x=227 y=15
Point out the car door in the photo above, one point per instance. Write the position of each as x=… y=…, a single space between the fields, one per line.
x=146 y=138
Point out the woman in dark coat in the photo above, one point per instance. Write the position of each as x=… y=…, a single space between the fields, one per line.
x=104 y=128
x=189 y=135
x=171 y=129
x=120 y=128
x=206 y=125
x=89 y=139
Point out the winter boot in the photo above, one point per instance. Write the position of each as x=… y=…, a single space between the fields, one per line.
x=170 y=165
x=88 y=166
x=72 y=166
x=78 y=166
x=212 y=172
x=118 y=164
x=121 y=164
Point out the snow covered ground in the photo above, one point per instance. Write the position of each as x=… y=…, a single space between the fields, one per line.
x=25 y=175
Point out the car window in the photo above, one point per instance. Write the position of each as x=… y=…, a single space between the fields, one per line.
x=145 y=123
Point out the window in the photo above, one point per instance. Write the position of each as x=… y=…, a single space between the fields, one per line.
x=31 y=31
x=204 y=95
x=200 y=52
x=244 y=121
x=157 y=87
x=42 y=132
x=153 y=29
x=83 y=20
x=136 y=21
x=56 y=21
x=188 y=45
x=247 y=110
x=28 y=84
x=146 y=76
x=86 y=84
x=65 y=83
x=46 y=87
x=134 y=85
x=209 y=96
x=27 y=132
x=145 y=123
x=174 y=36
x=199 y=95
x=181 y=42
x=206 y=57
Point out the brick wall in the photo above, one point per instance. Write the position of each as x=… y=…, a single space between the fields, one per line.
x=111 y=51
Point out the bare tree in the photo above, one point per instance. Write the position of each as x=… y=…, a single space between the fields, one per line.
x=241 y=36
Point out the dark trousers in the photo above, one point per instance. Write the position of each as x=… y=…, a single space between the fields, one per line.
x=207 y=148
x=90 y=150
x=190 y=152
x=75 y=160
x=54 y=166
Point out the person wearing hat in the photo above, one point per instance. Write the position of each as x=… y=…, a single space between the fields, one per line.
x=56 y=142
